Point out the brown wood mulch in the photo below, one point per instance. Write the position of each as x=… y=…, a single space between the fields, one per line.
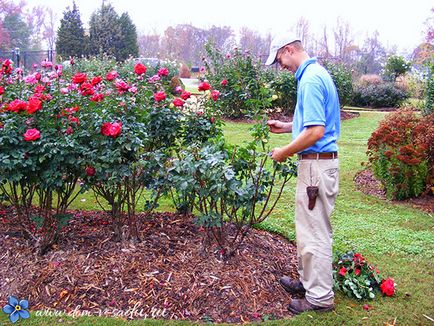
x=366 y=182
x=167 y=275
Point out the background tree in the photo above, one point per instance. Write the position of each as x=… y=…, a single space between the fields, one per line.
x=128 y=44
x=18 y=31
x=149 y=45
x=253 y=42
x=71 y=40
x=395 y=66
x=105 y=32
x=372 y=56
x=36 y=17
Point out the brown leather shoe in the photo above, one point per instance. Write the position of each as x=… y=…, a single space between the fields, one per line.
x=292 y=286
x=297 y=306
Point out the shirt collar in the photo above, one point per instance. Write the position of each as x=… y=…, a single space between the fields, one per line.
x=303 y=66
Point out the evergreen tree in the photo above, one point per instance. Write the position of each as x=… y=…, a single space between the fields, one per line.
x=105 y=32
x=128 y=45
x=71 y=40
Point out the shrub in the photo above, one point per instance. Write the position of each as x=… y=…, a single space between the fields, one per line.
x=399 y=152
x=231 y=187
x=429 y=91
x=242 y=80
x=284 y=85
x=370 y=79
x=343 y=80
x=395 y=66
x=378 y=95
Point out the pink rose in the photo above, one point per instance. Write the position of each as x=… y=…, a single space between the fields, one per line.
x=342 y=271
x=224 y=82
x=32 y=134
x=215 y=94
x=185 y=95
x=111 y=129
x=159 y=96
x=111 y=75
x=163 y=72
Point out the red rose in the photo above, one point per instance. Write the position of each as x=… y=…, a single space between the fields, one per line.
x=33 y=105
x=90 y=171
x=74 y=119
x=342 y=271
x=224 y=82
x=97 y=97
x=140 y=68
x=163 y=72
x=96 y=80
x=17 y=106
x=212 y=120
x=215 y=94
x=32 y=134
x=388 y=287
x=69 y=130
x=2 y=90
x=358 y=258
x=178 y=102
x=204 y=86
x=79 y=78
x=159 y=96
x=185 y=95
x=38 y=76
x=86 y=89
x=111 y=75
x=111 y=129
x=357 y=272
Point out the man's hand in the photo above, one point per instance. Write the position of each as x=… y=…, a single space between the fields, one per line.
x=278 y=154
x=279 y=127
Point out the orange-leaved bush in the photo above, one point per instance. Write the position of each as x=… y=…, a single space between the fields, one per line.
x=400 y=152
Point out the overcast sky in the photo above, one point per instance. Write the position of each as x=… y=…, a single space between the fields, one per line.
x=399 y=23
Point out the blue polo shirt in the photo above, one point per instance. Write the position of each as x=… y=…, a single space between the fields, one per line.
x=317 y=104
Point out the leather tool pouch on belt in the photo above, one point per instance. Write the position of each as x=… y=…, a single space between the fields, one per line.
x=312 y=193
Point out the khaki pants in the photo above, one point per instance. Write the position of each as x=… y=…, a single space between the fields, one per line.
x=313 y=228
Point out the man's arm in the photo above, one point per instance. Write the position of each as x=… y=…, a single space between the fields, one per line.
x=308 y=137
x=279 y=127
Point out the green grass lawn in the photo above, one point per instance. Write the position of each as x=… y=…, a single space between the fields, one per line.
x=396 y=238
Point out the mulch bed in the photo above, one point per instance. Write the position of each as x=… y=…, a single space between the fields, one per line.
x=367 y=183
x=170 y=274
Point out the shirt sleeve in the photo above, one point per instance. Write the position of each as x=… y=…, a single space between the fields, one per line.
x=313 y=105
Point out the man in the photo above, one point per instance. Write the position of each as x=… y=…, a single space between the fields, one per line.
x=315 y=129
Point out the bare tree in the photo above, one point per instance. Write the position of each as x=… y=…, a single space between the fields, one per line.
x=302 y=31
x=343 y=40
x=49 y=32
x=253 y=42
x=149 y=45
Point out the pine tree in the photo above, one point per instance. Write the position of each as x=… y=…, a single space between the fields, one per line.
x=71 y=40
x=128 y=44
x=105 y=33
